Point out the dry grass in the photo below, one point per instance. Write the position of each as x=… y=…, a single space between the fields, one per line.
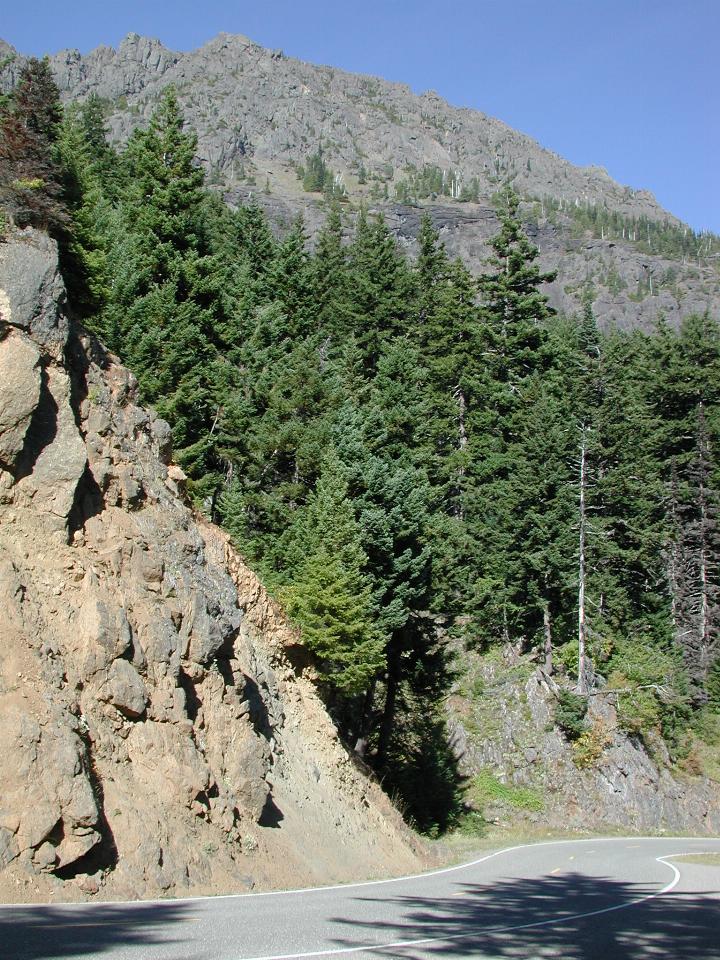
x=708 y=859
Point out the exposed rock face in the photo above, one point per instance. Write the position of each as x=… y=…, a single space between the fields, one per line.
x=157 y=735
x=508 y=730
x=246 y=100
x=259 y=114
x=616 y=270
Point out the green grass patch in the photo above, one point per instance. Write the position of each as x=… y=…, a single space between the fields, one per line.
x=485 y=788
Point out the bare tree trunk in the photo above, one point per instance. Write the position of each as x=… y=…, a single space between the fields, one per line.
x=506 y=628
x=582 y=625
x=704 y=626
x=392 y=684
x=363 y=735
x=706 y=536
x=673 y=573
x=548 y=646
x=462 y=445
x=705 y=639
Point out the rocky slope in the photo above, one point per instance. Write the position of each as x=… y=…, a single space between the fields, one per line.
x=247 y=101
x=521 y=770
x=159 y=731
x=260 y=114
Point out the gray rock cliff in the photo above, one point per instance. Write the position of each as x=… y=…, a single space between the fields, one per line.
x=610 y=782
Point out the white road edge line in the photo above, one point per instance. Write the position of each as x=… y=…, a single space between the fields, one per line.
x=372 y=947
x=344 y=886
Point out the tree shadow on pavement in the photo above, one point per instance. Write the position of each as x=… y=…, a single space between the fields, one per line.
x=572 y=916
x=43 y=932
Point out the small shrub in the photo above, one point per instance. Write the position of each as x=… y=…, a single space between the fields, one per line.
x=570 y=713
x=638 y=710
x=591 y=744
x=474 y=687
x=692 y=763
x=32 y=183
x=565 y=657
x=472 y=824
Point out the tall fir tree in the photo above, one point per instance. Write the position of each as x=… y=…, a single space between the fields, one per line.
x=512 y=350
x=330 y=593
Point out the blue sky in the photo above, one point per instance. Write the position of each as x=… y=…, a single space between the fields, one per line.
x=631 y=85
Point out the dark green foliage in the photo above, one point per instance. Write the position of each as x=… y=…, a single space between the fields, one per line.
x=381 y=288
x=515 y=307
x=87 y=168
x=510 y=413
x=167 y=308
x=396 y=446
x=422 y=770
x=570 y=712
x=317 y=177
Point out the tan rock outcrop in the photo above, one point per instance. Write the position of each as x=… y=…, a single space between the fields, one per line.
x=159 y=729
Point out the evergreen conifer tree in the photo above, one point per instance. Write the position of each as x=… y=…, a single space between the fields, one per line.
x=31 y=188
x=330 y=594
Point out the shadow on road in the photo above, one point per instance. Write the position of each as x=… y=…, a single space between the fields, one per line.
x=539 y=918
x=39 y=933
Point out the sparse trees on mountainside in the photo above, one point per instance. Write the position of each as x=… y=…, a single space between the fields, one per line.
x=317 y=177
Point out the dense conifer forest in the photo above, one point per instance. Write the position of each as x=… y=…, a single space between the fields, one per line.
x=413 y=459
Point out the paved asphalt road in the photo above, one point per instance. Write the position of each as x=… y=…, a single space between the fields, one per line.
x=610 y=899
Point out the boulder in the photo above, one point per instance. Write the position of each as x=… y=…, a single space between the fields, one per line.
x=33 y=291
x=20 y=384
x=125 y=690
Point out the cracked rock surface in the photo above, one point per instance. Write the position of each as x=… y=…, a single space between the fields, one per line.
x=626 y=785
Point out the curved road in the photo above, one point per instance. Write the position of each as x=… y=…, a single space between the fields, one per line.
x=609 y=899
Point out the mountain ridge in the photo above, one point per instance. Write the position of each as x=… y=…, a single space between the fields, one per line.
x=78 y=75
x=261 y=117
